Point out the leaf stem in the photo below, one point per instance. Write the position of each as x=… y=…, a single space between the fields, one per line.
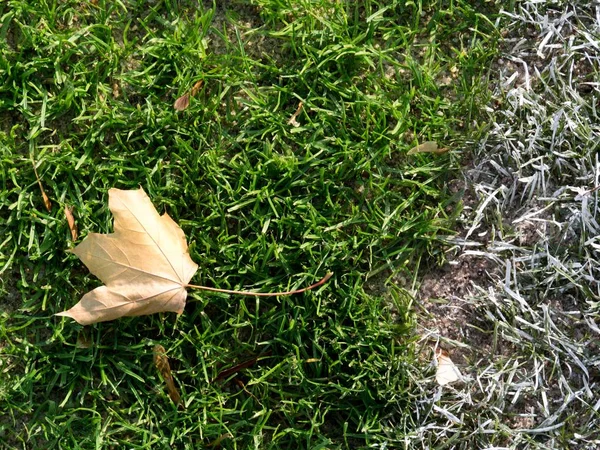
x=263 y=294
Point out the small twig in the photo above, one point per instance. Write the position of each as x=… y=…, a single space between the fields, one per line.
x=243 y=365
x=263 y=294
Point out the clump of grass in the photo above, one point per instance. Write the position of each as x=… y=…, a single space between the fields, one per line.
x=87 y=93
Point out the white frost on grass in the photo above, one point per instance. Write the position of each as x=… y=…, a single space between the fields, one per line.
x=536 y=175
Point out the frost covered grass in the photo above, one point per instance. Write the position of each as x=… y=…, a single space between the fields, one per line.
x=532 y=333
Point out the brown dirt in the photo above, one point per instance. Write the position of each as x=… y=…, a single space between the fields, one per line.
x=448 y=317
x=445 y=315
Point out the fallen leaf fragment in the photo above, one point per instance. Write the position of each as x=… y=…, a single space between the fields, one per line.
x=446 y=372
x=184 y=101
x=197 y=86
x=45 y=198
x=144 y=264
x=428 y=147
x=71 y=222
x=161 y=361
x=293 y=120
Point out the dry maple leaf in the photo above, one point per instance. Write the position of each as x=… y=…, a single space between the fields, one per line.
x=144 y=264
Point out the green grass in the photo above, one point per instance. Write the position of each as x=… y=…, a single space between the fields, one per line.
x=86 y=92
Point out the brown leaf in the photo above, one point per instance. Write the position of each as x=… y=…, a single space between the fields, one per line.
x=184 y=101
x=45 y=198
x=196 y=88
x=71 y=222
x=144 y=264
x=161 y=361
